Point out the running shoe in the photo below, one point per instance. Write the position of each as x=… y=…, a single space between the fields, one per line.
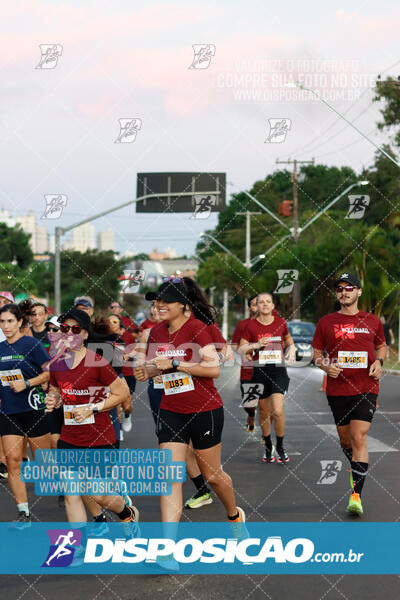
x=238 y=526
x=197 y=501
x=128 y=500
x=3 y=471
x=355 y=507
x=121 y=435
x=98 y=528
x=351 y=481
x=250 y=424
x=127 y=423
x=269 y=455
x=130 y=526
x=23 y=521
x=168 y=563
x=282 y=456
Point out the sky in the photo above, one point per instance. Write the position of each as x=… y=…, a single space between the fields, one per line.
x=131 y=60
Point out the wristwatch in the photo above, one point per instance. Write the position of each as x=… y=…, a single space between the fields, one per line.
x=27 y=384
x=175 y=363
x=95 y=409
x=381 y=361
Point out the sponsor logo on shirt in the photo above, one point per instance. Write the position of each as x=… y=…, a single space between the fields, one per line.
x=169 y=351
x=348 y=331
x=12 y=357
x=271 y=338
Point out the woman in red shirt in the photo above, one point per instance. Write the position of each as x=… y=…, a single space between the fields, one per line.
x=181 y=348
x=263 y=341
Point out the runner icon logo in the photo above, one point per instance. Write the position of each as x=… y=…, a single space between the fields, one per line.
x=252 y=392
x=278 y=129
x=55 y=204
x=287 y=277
x=357 y=206
x=63 y=543
x=204 y=206
x=128 y=129
x=36 y=398
x=50 y=53
x=344 y=331
x=330 y=470
x=203 y=54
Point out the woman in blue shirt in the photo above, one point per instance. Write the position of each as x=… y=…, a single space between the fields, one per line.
x=22 y=410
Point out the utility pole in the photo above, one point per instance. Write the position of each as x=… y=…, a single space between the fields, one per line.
x=296 y=300
x=248 y=215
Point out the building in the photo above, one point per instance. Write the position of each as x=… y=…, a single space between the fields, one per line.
x=106 y=240
x=168 y=253
x=83 y=238
x=39 y=240
x=155 y=270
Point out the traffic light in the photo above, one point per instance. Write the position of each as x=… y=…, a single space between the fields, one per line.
x=285 y=208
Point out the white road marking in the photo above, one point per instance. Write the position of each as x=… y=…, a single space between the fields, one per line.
x=374 y=445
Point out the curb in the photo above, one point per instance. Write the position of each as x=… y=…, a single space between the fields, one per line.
x=395 y=372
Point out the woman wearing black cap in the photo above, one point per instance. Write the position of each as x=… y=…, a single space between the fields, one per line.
x=182 y=349
x=80 y=384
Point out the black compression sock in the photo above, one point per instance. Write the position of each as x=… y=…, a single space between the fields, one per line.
x=125 y=514
x=251 y=412
x=267 y=442
x=279 y=442
x=200 y=485
x=359 y=470
x=348 y=452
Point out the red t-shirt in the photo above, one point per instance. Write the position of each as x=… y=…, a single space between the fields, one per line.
x=126 y=343
x=85 y=384
x=183 y=345
x=127 y=323
x=275 y=331
x=147 y=324
x=246 y=372
x=218 y=339
x=341 y=336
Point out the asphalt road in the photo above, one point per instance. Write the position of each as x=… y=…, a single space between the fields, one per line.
x=267 y=492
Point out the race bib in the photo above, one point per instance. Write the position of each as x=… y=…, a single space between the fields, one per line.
x=69 y=414
x=352 y=360
x=270 y=357
x=177 y=383
x=13 y=375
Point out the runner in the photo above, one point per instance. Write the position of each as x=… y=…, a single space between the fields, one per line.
x=181 y=348
x=85 y=303
x=246 y=372
x=355 y=343
x=81 y=386
x=125 y=344
x=117 y=310
x=150 y=321
x=38 y=317
x=264 y=341
x=5 y=298
x=22 y=363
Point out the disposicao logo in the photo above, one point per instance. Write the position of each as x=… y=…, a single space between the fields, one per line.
x=63 y=543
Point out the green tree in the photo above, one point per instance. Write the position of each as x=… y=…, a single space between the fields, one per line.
x=14 y=247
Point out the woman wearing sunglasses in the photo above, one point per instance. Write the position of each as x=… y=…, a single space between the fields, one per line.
x=23 y=361
x=355 y=343
x=182 y=350
x=87 y=387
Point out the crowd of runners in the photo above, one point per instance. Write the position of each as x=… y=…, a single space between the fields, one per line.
x=68 y=382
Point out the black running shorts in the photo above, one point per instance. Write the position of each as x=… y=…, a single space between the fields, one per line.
x=56 y=419
x=32 y=424
x=67 y=446
x=352 y=408
x=274 y=379
x=203 y=428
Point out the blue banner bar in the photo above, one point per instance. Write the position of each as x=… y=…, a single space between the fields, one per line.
x=206 y=548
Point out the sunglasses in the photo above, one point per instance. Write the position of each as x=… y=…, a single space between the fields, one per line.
x=114 y=305
x=73 y=328
x=114 y=321
x=346 y=288
x=53 y=329
x=173 y=279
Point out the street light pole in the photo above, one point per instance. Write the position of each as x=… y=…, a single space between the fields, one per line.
x=59 y=231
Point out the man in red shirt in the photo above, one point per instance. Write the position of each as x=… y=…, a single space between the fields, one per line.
x=355 y=344
x=246 y=372
x=264 y=341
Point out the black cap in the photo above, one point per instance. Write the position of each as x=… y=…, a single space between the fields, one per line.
x=349 y=278
x=79 y=315
x=169 y=292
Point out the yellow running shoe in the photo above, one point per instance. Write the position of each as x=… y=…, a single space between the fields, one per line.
x=355 y=507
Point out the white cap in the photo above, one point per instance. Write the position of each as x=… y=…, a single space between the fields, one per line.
x=54 y=321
